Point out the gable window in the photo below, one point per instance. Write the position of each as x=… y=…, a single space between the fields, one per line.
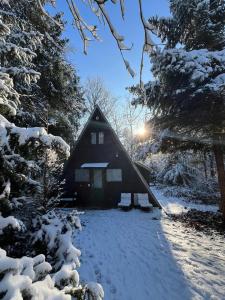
x=93 y=138
x=114 y=175
x=82 y=175
x=101 y=138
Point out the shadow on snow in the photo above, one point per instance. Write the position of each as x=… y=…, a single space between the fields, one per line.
x=129 y=254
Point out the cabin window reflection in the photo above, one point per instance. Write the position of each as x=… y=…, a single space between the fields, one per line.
x=101 y=138
x=93 y=138
x=82 y=175
x=114 y=175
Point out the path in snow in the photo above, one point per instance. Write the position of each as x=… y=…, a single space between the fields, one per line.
x=127 y=253
x=135 y=257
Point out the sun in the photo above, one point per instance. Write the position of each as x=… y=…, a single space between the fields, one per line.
x=141 y=131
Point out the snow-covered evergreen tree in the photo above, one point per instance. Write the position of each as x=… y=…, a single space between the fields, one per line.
x=55 y=102
x=28 y=156
x=187 y=96
x=22 y=149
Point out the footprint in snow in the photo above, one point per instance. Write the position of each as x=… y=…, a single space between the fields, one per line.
x=113 y=289
x=108 y=280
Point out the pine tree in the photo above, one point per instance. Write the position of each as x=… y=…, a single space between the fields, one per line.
x=59 y=82
x=23 y=148
x=55 y=101
x=187 y=97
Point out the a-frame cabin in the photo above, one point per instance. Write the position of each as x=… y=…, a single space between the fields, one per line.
x=99 y=169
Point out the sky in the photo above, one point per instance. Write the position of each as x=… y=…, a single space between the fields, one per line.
x=104 y=59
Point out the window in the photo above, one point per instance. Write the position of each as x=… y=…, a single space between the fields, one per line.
x=114 y=175
x=101 y=138
x=82 y=175
x=93 y=138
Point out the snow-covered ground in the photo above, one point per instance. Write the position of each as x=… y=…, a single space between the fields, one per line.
x=176 y=205
x=142 y=256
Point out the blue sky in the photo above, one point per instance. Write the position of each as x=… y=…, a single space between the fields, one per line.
x=103 y=58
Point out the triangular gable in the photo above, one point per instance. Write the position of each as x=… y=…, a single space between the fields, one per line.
x=105 y=123
x=92 y=120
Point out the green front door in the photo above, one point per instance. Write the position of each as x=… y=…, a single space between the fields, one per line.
x=97 y=190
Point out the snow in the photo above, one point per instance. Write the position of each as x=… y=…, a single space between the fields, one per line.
x=56 y=231
x=175 y=205
x=138 y=255
x=95 y=291
x=66 y=276
x=26 y=134
x=204 y=67
x=10 y=222
x=6 y=191
x=19 y=277
x=95 y=165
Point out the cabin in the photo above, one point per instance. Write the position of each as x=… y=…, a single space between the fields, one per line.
x=99 y=170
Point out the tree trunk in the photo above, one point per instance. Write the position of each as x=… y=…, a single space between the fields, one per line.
x=221 y=175
x=212 y=169
x=205 y=164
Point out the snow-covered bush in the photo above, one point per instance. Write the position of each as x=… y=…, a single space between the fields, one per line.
x=205 y=192
x=26 y=278
x=54 y=232
x=179 y=174
x=182 y=179
x=11 y=224
x=30 y=278
x=184 y=174
x=94 y=291
x=33 y=277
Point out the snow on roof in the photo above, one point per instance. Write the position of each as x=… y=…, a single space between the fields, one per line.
x=95 y=165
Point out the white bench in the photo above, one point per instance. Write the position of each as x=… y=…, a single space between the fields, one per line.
x=143 y=201
x=67 y=199
x=125 y=201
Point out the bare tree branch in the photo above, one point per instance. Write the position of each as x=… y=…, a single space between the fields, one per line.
x=46 y=14
x=98 y=8
x=119 y=39
x=122 y=8
x=149 y=44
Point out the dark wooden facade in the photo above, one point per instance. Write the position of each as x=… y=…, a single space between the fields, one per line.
x=97 y=190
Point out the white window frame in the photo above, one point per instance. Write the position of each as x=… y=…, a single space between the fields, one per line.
x=82 y=178
x=93 y=138
x=114 y=175
x=101 y=137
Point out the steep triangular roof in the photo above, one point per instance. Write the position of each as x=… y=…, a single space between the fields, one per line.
x=98 y=111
